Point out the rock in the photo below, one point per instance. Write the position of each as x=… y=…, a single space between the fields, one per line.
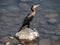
x=55 y=37
x=8 y=43
x=18 y=44
x=57 y=42
x=52 y=20
x=45 y=42
x=6 y=39
x=1 y=44
x=50 y=15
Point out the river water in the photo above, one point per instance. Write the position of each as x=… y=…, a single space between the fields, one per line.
x=46 y=21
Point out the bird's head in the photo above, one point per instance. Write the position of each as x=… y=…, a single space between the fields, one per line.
x=35 y=6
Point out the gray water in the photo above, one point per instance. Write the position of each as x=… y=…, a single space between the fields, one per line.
x=46 y=21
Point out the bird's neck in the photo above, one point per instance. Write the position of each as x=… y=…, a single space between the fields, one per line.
x=33 y=10
x=33 y=13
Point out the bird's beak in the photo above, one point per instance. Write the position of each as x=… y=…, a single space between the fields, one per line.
x=35 y=6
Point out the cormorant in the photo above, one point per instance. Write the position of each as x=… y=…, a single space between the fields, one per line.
x=25 y=34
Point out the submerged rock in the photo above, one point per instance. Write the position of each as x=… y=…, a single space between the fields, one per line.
x=45 y=42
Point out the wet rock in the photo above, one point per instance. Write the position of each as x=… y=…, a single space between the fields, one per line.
x=1 y=35
x=57 y=42
x=18 y=44
x=53 y=20
x=55 y=37
x=51 y=15
x=45 y=42
x=32 y=43
x=1 y=44
x=6 y=39
x=8 y=43
x=9 y=40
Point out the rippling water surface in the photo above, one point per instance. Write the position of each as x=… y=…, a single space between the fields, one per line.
x=46 y=21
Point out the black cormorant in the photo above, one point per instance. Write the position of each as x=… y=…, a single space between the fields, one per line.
x=25 y=34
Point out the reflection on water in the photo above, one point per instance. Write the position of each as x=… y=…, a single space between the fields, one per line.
x=46 y=21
